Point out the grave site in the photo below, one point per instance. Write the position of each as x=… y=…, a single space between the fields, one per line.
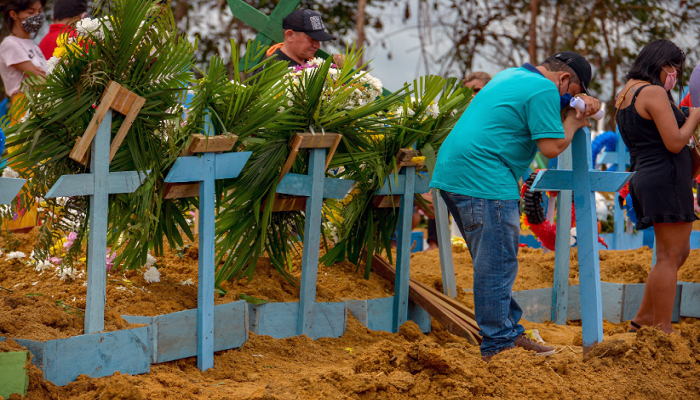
x=208 y=237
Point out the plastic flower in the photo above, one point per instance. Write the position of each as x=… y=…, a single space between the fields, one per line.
x=68 y=273
x=15 y=255
x=150 y=260
x=110 y=259
x=68 y=243
x=152 y=275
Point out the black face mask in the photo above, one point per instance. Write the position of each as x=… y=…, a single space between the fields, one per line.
x=34 y=23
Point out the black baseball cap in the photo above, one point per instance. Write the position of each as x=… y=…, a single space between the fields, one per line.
x=309 y=22
x=579 y=65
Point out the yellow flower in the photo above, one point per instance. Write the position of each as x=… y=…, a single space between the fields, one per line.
x=59 y=52
x=377 y=138
x=62 y=40
x=418 y=160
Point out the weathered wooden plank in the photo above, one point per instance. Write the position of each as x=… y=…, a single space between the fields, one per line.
x=211 y=144
x=289 y=204
x=384 y=201
x=300 y=185
x=562 y=248
x=125 y=181
x=9 y=188
x=187 y=169
x=79 y=151
x=312 y=235
x=230 y=165
x=97 y=355
x=152 y=332
x=293 y=151
x=318 y=141
x=131 y=114
x=403 y=249
x=280 y=320
x=34 y=347
x=180 y=190
x=536 y=304
x=331 y=151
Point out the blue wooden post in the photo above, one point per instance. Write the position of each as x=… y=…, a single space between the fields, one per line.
x=98 y=184
x=9 y=188
x=562 y=249
x=312 y=237
x=621 y=158
x=206 y=169
x=315 y=187
x=585 y=181
x=442 y=225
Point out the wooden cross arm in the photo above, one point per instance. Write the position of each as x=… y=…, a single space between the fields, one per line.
x=194 y=169
x=300 y=185
x=613 y=157
x=308 y=140
x=601 y=181
x=9 y=188
x=84 y=184
x=422 y=185
x=119 y=99
x=210 y=144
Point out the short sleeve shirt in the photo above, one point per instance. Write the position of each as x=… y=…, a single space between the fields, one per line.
x=494 y=141
x=14 y=50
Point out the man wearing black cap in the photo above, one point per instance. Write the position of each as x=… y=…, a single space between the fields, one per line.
x=303 y=32
x=477 y=172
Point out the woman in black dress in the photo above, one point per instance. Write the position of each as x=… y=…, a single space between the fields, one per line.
x=657 y=135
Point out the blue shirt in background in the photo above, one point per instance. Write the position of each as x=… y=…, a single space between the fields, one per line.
x=494 y=141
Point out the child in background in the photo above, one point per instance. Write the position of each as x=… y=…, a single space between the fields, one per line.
x=20 y=58
x=65 y=14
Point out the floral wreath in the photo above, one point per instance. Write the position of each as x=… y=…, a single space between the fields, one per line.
x=533 y=216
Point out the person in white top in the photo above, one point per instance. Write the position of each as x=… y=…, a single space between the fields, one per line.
x=19 y=56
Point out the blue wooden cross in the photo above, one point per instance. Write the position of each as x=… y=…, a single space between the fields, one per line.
x=9 y=188
x=98 y=184
x=312 y=188
x=621 y=159
x=206 y=167
x=407 y=184
x=584 y=181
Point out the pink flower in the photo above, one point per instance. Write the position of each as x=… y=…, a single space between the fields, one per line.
x=55 y=260
x=110 y=259
x=69 y=240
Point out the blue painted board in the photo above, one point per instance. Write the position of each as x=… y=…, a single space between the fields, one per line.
x=9 y=188
x=690 y=300
x=174 y=335
x=625 y=241
x=390 y=186
x=562 y=249
x=376 y=314
x=600 y=181
x=300 y=185
x=230 y=165
x=280 y=320
x=633 y=299
x=442 y=225
x=95 y=355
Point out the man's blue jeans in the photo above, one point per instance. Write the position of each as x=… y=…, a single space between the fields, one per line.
x=491 y=229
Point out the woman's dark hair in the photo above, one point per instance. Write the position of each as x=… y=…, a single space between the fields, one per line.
x=14 y=5
x=655 y=56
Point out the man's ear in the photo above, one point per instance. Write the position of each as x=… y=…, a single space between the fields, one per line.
x=288 y=34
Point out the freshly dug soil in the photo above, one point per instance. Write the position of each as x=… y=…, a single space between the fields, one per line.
x=362 y=364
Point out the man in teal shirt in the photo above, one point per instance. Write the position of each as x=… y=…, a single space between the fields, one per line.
x=477 y=172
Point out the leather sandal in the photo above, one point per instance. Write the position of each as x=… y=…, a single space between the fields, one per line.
x=634 y=325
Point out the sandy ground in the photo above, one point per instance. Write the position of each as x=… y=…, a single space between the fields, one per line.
x=362 y=364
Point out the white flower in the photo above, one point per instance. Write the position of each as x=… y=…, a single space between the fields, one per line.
x=281 y=109
x=410 y=112
x=51 y=63
x=43 y=266
x=10 y=173
x=433 y=110
x=150 y=260
x=88 y=26
x=15 y=255
x=187 y=282
x=152 y=275
x=68 y=273
x=453 y=113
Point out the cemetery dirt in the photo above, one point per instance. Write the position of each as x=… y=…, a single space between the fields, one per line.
x=362 y=364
